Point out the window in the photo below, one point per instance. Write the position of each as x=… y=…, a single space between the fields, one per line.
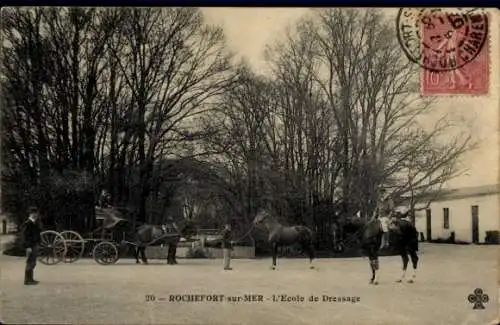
x=446 y=218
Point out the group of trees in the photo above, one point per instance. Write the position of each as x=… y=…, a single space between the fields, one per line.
x=149 y=104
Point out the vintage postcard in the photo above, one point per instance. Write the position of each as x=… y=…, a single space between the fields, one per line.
x=250 y=166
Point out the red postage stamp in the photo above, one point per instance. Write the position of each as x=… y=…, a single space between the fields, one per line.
x=452 y=48
x=470 y=79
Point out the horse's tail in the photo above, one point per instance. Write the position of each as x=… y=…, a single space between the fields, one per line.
x=311 y=236
x=306 y=235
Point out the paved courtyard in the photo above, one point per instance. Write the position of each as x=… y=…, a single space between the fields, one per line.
x=87 y=293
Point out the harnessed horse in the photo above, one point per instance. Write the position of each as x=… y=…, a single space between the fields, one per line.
x=156 y=235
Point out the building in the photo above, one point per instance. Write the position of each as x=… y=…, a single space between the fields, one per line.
x=468 y=212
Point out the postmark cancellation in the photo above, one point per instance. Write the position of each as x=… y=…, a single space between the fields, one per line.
x=451 y=46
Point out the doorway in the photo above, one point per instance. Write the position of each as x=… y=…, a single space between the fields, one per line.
x=428 y=217
x=475 y=224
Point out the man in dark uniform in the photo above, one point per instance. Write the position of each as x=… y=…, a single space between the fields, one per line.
x=227 y=246
x=171 y=228
x=31 y=241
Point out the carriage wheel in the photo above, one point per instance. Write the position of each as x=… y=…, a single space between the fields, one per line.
x=105 y=253
x=75 y=245
x=52 y=248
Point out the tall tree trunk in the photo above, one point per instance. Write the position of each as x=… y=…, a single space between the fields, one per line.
x=112 y=172
x=75 y=51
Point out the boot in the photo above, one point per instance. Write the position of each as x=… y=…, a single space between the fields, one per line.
x=33 y=279
x=28 y=278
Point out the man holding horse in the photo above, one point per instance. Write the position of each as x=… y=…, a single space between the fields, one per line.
x=227 y=246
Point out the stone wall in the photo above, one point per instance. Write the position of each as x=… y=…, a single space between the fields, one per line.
x=157 y=252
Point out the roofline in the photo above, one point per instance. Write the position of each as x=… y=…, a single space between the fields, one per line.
x=450 y=194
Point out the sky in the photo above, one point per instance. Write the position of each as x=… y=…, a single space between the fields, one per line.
x=248 y=30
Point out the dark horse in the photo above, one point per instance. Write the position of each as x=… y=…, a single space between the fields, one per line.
x=405 y=242
x=167 y=234
x=280 y=235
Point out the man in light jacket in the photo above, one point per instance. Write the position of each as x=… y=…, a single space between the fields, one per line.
x=384 y=210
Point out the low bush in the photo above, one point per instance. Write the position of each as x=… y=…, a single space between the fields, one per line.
x=492 y=237
x=448 y=241
x=15 y=248
x=197 y=252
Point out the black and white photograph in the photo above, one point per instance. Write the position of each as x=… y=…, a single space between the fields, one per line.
x=217 y=165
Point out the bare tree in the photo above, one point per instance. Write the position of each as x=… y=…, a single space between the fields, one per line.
x=308 y=134
x=371 y=89
x=108 y=92
x=174 y=65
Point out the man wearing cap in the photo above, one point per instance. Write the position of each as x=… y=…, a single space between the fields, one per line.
x=31 y=240
x=227 y=246
x=384 y=210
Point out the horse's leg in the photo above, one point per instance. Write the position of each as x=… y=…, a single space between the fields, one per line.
x=309 y=248
x=374 y=265
x=275 y=253
x=169 y=254
x=136 y=254
x=414 y=262
x=372 y=268
x=143 y=255
x=404 y=258
x=174 y=252
x=311 y=255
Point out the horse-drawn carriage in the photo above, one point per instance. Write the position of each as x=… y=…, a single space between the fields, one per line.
x=69 y=246
x=105 y=244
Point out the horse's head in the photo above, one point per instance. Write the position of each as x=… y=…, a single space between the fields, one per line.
x=393 y=225
x=261 y=216
x=395 y=221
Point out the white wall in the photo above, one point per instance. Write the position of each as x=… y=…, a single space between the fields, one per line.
x=421 y=223
x=460 y=219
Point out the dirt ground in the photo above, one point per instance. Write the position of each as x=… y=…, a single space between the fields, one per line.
x=87 y=293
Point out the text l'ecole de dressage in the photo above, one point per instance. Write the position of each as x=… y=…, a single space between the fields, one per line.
x=252 y=298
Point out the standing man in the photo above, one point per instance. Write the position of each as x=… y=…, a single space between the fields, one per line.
x=31 y=241
x=227 y=246
x=384 y=210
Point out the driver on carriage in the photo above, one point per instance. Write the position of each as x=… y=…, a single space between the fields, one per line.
x=104 y=199
x=170 y=226
x=385 y=209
